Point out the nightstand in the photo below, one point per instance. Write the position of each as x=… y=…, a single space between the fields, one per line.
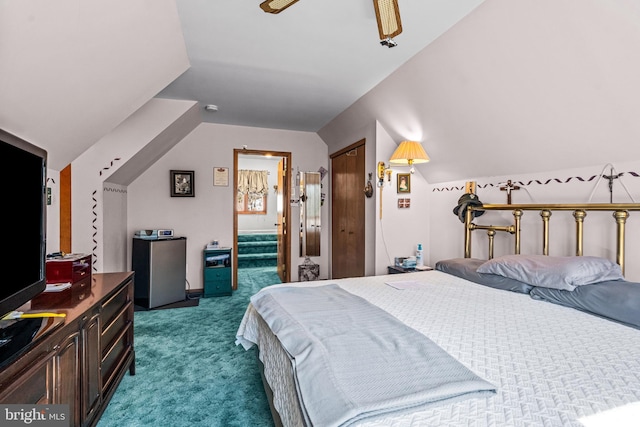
x=394 y=269
x=217 y=272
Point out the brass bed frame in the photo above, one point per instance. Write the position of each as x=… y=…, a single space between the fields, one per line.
x=620 y=213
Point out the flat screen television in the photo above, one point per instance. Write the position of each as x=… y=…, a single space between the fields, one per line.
x=22 y=221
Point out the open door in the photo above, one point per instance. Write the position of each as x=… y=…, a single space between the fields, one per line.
x=282 y=201
x=283 y=209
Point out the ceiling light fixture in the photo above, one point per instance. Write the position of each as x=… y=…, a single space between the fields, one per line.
x=276 y=6
x=211 y=107
x=389 y=24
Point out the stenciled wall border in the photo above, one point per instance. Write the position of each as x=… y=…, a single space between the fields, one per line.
x=94 y=214
x=533 y=181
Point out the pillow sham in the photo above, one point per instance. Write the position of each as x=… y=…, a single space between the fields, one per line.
x=564 y=273
x=466 y=268
x=616 y=300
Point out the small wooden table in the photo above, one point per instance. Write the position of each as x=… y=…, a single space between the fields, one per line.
x=394 y=269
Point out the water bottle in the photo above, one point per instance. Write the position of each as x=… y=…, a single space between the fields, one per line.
x=419 y=258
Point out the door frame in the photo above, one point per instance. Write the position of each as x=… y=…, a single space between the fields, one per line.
x=286 y=207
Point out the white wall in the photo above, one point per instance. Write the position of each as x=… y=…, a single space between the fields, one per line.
x=72 y=70
x=113 y=234
x=446 y=239
x=96 y=165
x=209 y=215
x=512 y=82
x=400 y=230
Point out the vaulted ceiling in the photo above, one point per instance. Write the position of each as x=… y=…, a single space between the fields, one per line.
x=300 y=68
x=488 y=86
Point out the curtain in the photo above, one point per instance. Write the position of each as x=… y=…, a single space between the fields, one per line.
x=253 y=183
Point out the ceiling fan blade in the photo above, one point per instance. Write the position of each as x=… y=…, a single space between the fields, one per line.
x=388 y=17
x=276 y=6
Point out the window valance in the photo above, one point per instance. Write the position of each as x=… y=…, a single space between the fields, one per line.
x=253 y=182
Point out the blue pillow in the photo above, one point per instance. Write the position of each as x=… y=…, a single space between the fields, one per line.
x=617 y=300
x=466 y=268
x=565 y=273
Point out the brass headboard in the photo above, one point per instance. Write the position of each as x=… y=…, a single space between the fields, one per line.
x=620 y=213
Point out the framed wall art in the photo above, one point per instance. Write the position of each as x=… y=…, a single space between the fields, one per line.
x=182 y=183
x=221 y=177
x=404 y=203
x=404 y=183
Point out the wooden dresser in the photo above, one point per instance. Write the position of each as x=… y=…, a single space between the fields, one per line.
x=81 y=361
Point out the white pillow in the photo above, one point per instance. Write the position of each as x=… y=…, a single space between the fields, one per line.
x=564 y=273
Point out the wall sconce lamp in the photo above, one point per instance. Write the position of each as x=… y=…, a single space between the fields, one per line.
x=383 y=171
x=409 y=153
x=388 y=17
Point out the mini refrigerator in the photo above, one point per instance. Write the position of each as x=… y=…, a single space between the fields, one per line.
x=160 y=267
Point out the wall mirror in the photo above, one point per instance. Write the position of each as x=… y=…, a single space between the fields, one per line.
x=310 y=194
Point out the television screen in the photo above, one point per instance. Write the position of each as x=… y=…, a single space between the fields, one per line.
x=23 y=221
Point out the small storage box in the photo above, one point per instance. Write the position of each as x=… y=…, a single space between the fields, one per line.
x=70 y=268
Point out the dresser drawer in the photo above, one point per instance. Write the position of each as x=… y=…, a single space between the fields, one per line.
x=214 y=289
x=217 y=274
x=114 y=306
x=114 y=355
x=112 y=331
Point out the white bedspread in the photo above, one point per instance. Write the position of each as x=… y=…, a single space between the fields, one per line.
x=353 y=361
x=551 y=365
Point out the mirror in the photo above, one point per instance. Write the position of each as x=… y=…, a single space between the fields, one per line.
x=310 y=194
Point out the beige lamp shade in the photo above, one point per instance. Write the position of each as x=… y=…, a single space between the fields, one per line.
x=276 y=6
x=409 y=153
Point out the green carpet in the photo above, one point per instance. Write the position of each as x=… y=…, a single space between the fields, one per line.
x=257 y=250
x=189 y=372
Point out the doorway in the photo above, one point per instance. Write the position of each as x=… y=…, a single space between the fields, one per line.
x=348 y=211
x=270 y=207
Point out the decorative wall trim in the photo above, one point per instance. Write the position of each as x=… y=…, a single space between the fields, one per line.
x=94 y=212
x=104 y=169
x=94 y=236
x=115 y=190
x=533 y=181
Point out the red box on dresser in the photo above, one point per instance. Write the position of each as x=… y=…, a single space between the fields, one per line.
x=70 y=268
x=74 y=269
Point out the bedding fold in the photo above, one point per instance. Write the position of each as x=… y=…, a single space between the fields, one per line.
x=353 y=360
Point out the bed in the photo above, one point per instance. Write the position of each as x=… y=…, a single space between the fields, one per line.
x=535 y=356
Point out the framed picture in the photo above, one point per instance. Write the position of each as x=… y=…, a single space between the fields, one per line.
x=404 y=203
x=221 y=176
x=182 y=183
x=404 y=183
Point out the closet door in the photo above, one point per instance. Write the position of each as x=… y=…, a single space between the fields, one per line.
x=347 y=212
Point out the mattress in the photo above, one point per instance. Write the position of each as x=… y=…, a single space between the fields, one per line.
x=552 y=365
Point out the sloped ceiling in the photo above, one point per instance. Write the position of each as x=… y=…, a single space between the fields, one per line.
x=516 y=87
x=512 y=87
x=72 y=70
x=300 y=68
